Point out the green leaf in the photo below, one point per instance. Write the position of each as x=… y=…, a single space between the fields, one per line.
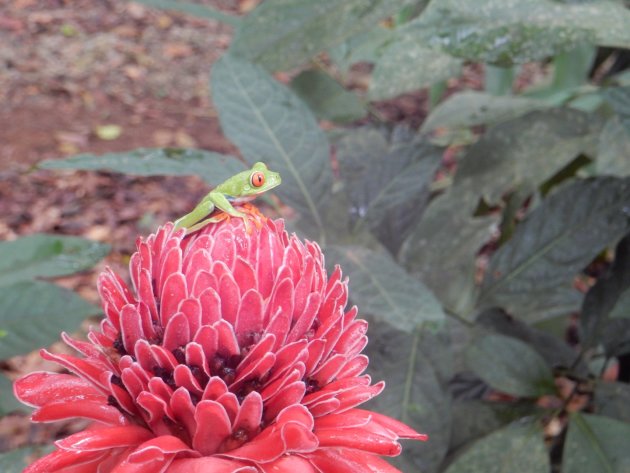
x=597 y=444
x=554 y=350
x=413 y=395
x=527 y=151
x=380 y=287
x=199 y=11
x=602 y=299
x=619 y=100
x=14 y=461
x=213 y=168
x=401 y=69
x=510 y=366
x=8 y=402
x=327 y=98
x=387 y=175
x=517 y=31
x=34 y=313
x=613 y=400
x=441 y=250
x=554 y=242
x=517 y=448
x=621 y=310
x=366 y=46
x=268 y=122
x=470 y=108
x=475 y=419
x=284 y=34
x=613 y=151
x=47 y=256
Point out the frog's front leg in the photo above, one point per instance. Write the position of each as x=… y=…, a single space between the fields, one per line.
x=203 y=209
x=221 y=202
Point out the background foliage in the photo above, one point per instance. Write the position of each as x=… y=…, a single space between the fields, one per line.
x=497 y=283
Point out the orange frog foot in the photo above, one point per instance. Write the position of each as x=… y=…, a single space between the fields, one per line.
x=257 y=215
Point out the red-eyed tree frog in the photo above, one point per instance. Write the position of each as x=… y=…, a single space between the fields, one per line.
x=238 y=189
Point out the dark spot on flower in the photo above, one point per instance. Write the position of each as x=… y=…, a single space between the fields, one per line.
x=233 y=361
x=311 y=385
x=116 y=381
x=111 y=401
x=228 y=374
x=200 y=375
x=194 y=398
x=119 y=345
x=180 y=355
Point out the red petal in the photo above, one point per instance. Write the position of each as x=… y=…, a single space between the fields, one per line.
x=250 y=414
x=213 y=427
x=158 y=448
x=177 y=332
x=39 y=388
x=289 y=464
x=88 y=409
x=173 y=292
x=359 y=439
x=106 y=438
x=210 y=465
x=59 y=459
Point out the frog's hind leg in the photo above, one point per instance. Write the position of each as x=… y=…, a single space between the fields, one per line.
x=216 y=219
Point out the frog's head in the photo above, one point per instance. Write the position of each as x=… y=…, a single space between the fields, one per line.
x=248 y=184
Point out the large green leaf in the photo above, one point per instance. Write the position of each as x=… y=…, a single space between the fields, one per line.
x=517 y=448
x=596 y=444
x=213 y=168
x=269 y=122
x=386 y=176
x=14 y=461
x=518 y=31
x=613 y=400
x=199 y=11
x=380 y=287
x=283 y=34
x=613 y=151
x=442 y=248
x=8 y=402
x=327 y=98
x=33 y=313
x=555 y=242
x=527 y=151
x=510 y=366
x=366 y=46
x=413 y=394
x=47 y=256
x=469 y=108
x=407 y=65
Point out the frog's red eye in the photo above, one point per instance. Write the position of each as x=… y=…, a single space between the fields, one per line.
x=258 y=179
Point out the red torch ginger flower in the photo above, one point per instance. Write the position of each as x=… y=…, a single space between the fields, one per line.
x=233 y=353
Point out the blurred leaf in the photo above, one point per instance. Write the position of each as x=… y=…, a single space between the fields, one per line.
x=619 y=100
x=572 y=68
x=47 y=256
x=621 y=310
x=475 y=419
x=517 y=31
x=8 y=402
x=284 y=34
x=327 y=98
x=442 y=248
x=613 y=152
x=366 y=46
x=34 y=313
x=469 y=108
x=268 y=122
x=413 y=395
x=554 y=350
x=517 y=448
x=400 y=68
x=498 y=80
x=387 y=175
x=213 y=168
x=558 y=239
x=383 y=289
x=108 y=132
x=527 y=151
x=596 y=444
x=613 y=400
x=602 y=298
x=510 y=366
x=15 y=461
x=199 y=11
